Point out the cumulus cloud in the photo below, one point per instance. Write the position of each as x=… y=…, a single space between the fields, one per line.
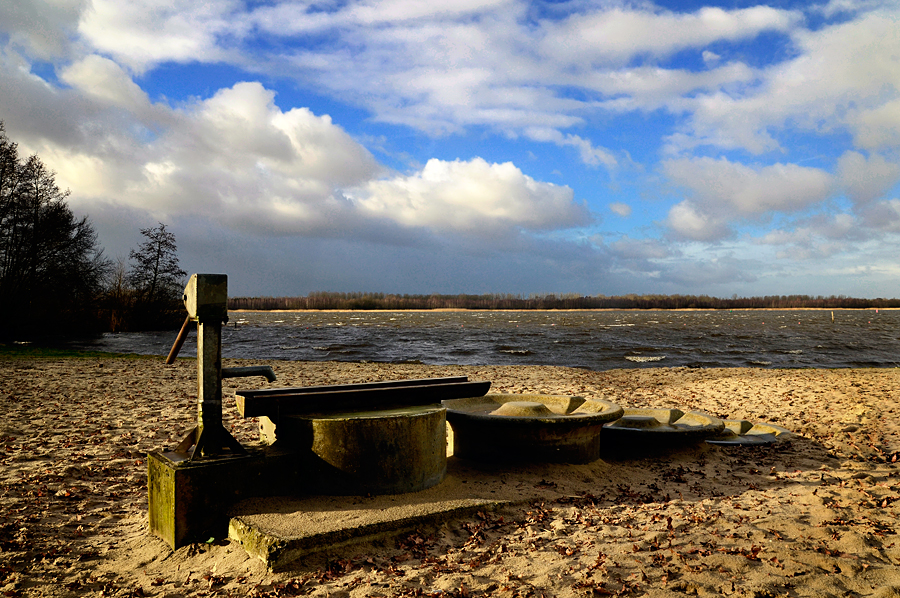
x=865 y=179
x=238 y=159
x=686 y=221
x=473 y=198
x=103 y=79
x=738 y=190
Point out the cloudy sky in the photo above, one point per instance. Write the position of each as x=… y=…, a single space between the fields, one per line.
x=476 y=146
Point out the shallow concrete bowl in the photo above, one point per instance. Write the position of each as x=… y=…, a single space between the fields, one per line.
x=741 y=432
x=528 y=428
x=659 y=427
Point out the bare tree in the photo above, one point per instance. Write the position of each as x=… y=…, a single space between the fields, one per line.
x=156 y=275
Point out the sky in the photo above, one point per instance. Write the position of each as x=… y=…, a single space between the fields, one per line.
x=475 y=146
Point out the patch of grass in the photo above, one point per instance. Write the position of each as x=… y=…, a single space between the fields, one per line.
x=34 y=351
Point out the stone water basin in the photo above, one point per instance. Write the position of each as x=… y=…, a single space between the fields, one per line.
x=532 y=428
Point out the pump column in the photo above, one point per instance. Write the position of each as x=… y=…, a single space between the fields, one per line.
x=206 y=300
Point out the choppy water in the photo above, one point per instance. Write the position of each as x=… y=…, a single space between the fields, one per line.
x=596 y=340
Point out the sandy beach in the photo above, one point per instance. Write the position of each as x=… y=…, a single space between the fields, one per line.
x=812 y=516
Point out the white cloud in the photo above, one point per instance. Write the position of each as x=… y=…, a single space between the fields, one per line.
x=143 y=33
x=649 y=88
x=473 y=198
x=443 y=66
x=866 y=179
x=620 y=209
x=590 y=155
x=235 y=158
x=238 y=160
x=835 y=7
x=710 y=57
x=614 y=36
x=42 y=28
x=735 y=190
x=845 y=76
x=879 y=126
x=883 y=216
x=392 y=11
x=103 y=79
x=304 y=17
x=242 y=159
x=686 y=221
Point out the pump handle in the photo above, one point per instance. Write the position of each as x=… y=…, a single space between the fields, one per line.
x=182 y=335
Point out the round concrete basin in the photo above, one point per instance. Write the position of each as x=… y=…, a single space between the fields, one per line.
x=741 y=432
x=654 y=427
x=535 y=428
x=375 y=452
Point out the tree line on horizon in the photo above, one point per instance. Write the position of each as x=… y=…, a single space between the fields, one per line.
x=54 y=278
x=396 y=302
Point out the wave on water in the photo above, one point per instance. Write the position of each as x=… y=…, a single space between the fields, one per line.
x=644 y=358
x=515 y=351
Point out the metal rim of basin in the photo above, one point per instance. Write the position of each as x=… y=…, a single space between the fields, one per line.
x=668 y=423
x=740 y=432
x=561 y=410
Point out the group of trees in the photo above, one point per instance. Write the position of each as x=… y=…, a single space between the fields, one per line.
x=53 y=275
x=382 y=301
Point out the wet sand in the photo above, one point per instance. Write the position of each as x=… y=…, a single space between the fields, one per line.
x=813 y=516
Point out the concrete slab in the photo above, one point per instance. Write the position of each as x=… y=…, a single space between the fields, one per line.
x=281 y=530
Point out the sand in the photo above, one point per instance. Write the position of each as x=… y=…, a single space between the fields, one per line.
x=813 y=516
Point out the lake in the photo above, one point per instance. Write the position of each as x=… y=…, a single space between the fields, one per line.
x=596 y=340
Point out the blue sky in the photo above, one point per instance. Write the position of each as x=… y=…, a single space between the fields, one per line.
x=476 y=146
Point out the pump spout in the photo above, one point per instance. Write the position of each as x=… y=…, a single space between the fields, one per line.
x=252 y=370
